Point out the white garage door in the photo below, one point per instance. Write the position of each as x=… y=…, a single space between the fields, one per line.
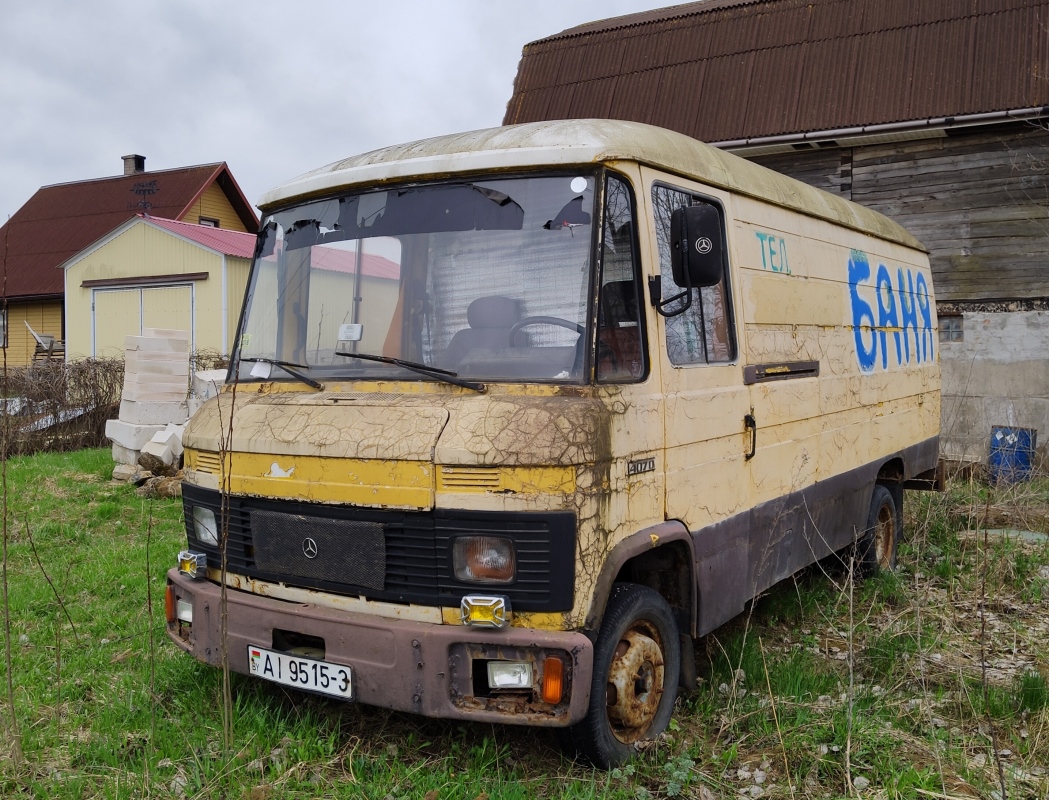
x=116 y=313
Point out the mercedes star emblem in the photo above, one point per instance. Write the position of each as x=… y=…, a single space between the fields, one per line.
x=704 y=245
x=309 y=547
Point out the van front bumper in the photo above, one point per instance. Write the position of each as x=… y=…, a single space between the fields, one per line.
x=420 y=667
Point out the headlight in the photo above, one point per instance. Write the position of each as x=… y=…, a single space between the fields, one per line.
x=204 y=526
x=484 y=559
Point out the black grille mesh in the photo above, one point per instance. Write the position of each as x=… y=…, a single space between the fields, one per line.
x=395 y=556
x=333 y=550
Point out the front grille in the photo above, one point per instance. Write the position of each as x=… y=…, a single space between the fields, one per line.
x=331 y=550
x=394 y=556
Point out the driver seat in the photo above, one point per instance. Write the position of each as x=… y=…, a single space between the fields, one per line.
x=490 y=319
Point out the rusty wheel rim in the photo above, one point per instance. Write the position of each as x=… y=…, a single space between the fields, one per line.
x=884 y=537
x=635 y=682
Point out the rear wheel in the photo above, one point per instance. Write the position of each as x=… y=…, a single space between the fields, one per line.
x=636 y=666
x=877 y=546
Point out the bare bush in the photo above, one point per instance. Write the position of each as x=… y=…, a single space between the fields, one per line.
x=58 y=406
x=205 y=359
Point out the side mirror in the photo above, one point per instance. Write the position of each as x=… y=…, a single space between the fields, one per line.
x=696 y=246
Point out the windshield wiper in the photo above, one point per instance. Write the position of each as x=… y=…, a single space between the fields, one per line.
x=288 y=367
x=434 y=372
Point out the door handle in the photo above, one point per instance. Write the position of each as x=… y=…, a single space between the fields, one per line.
x=751 y=424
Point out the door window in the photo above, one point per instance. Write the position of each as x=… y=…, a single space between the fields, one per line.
x=703 y=332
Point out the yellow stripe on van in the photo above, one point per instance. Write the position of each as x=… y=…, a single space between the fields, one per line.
x=364 y=482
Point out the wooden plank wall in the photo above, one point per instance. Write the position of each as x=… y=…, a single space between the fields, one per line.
x=214 y=204
x=816 y=167
x=978 y=200
x=43 y=316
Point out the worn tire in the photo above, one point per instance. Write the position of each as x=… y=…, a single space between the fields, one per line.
x=636 y=667
x=876 y=549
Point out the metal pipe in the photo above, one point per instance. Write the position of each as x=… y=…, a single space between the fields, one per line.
x=887 y=127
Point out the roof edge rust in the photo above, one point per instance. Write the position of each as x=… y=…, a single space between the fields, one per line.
x=565 y=143
x=644 y=17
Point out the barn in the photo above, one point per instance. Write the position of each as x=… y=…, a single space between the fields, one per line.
x=933 y=112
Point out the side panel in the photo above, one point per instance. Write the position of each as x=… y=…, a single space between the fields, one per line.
x=737 y=558
x=863 y=310
x=838 y=368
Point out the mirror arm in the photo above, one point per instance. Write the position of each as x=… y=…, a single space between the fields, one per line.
x=655 y=289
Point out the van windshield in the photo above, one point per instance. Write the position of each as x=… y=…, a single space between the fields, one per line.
x=486 y=279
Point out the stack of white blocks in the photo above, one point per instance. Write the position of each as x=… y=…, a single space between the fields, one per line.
x=153 y=405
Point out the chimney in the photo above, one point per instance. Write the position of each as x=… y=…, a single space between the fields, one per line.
x=134 y=164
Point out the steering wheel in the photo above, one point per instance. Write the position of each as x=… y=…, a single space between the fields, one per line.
x=560 y=323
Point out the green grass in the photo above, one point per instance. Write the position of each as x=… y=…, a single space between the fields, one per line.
x=820 y=686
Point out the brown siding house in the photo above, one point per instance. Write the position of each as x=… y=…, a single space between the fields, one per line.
x=59 y=221
x=934 y=112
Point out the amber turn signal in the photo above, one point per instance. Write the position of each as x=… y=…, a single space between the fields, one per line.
x=553 y=680
x=169 y=605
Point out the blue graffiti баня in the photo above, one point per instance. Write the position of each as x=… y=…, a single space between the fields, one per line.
x=904 y=315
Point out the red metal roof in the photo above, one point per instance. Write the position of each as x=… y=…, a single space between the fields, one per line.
x=725 y=70
x=373 y=265
x=59 y=221
x=232 y=243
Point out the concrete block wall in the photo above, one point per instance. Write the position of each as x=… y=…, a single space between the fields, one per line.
x=998 y=375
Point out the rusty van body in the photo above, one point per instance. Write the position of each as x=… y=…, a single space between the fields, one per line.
x=515 y=415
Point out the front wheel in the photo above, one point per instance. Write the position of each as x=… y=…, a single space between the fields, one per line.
x=636 y=666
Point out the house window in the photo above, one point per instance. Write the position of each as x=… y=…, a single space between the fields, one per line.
x=3 y=325
x=209 y=222
x=951 y=328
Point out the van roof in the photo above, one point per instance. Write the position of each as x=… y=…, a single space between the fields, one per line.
x=587 y=141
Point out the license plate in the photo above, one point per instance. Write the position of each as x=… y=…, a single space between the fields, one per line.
x=300 y=672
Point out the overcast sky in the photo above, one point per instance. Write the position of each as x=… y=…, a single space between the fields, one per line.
x=272 y=88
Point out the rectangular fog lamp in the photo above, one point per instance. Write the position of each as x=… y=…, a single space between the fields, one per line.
x=485 y=611
x=509 y=675
x=184 y=611
x=193 y=565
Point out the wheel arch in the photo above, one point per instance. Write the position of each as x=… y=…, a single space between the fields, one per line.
x=660 y=557
x=892 y=471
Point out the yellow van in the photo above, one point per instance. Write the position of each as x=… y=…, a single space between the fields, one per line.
x=515 y=415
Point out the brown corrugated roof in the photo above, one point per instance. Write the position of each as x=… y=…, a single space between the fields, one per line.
x=61 y=220
x=724 y=70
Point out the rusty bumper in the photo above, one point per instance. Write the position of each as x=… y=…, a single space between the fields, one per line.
x=404 y=665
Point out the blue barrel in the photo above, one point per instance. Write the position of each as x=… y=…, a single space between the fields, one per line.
x=1012 y=454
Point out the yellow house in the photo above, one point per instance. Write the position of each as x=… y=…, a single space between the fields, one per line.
x=156 y=273
x=57 y=224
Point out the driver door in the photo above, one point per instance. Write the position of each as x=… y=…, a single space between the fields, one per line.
x=707 y=441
